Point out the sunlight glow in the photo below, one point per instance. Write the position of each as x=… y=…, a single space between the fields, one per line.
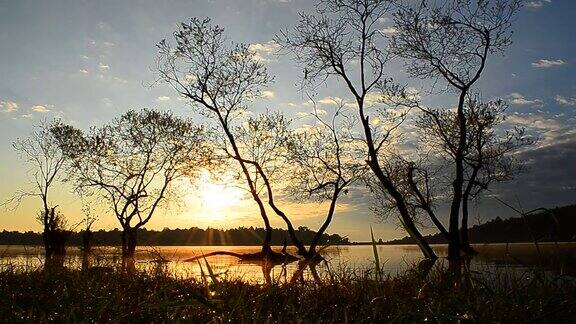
x=216 y=197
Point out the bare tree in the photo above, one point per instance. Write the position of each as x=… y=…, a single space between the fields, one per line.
x=41 y=153
x=342 y=41
x=451 y=41
x=263 y=142
x=489 y=155
x=132 y=162
x=219 y=78
x=323 y=162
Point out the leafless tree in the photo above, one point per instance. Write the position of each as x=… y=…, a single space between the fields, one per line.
x=132 y=162
x=220 y=78
x=41 y=153
x=262 y=142
x=323 y=161
x=451 y=41
x=342 y=41
x=489 y=155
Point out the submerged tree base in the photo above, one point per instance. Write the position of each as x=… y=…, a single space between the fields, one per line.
x=76 y=296
x=269 y=256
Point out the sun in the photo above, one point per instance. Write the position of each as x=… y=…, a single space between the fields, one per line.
x=217 y=198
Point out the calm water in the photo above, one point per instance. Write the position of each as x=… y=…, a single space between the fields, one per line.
x=559 y=258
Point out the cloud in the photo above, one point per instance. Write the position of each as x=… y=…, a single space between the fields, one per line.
x=83 y=71
x=519 y=100
x=8 y=106
x=330 y=100
x=268 y=94
x=27 y=116
x=265 y=51
x=536 y=4
x=319 y=112
x=544 y=63
x=565 y=101
x=104 y=67
x=390 y=30
x=40 y=109
x=107 y=102
x=163 y=98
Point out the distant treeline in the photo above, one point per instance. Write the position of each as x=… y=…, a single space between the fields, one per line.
x=558 y=224
x=191 y=236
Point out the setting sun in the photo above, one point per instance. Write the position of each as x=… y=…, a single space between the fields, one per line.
x=216 y=198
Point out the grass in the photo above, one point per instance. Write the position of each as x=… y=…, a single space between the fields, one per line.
x=99 y=296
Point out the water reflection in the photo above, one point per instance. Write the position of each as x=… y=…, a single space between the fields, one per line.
x=338 y=259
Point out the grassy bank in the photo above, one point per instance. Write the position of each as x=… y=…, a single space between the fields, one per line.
x=99 y=296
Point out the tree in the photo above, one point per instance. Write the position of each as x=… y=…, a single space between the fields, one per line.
x=219 y=78
x=132 y=163
x=342 y=41
x=489 y=154
x=323 y=162
x=44 y=157
x=451 y=41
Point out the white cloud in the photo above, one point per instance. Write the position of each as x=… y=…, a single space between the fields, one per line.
x=107 y=102
x=83 y=71
x=544 y=63
x=565 y=101
x=519 y=100
x=265 y=51
x=537 y=3
x=390 y=30
x=27 y=116
x=108 y=44
x=330 y=100
x=40 y=109
x=163 y=98
x=319 y=112
x=8 y=106
x=268 y=94
x=104 y=67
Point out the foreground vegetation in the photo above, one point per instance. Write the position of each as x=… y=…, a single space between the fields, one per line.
x=100 y=296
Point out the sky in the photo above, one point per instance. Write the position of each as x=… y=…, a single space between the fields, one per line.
x=86 y=62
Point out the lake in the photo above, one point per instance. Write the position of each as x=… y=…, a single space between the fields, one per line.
x=558 y=258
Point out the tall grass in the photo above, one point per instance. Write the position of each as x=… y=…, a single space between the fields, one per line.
x=351 y=296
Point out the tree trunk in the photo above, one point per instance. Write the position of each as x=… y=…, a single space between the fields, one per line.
x=266 y=250
x=46 y=239
x=86 y=248
x=87 y=241
x=405 y=217
x=425 y=204
x=327 y=221
x=128 y=242
x=453 y=230
x=128 y=250
x=464 y=235
x=464 y=232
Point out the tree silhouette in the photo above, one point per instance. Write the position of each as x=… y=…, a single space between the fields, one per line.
x=323 y=162
x=45 y=159
x=342 y=41
x=132 y=162
x=219 y=78
x=489 y=154
x=451 y=41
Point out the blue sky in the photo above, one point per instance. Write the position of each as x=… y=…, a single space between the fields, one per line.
x=88 y=61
